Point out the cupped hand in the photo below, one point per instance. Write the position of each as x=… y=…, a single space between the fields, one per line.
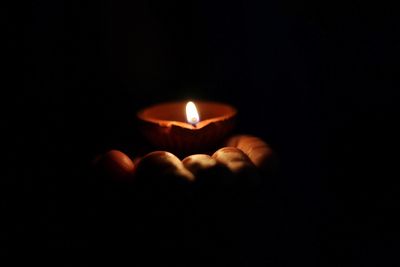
x=241 y=154
x=179 y=209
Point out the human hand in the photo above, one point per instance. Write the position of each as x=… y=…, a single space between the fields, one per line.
x=192 y=206
x=241 y=153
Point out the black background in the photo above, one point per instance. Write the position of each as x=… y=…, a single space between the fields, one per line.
x=315 y=80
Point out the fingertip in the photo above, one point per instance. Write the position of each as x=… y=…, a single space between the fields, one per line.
x=258 y=151
x=226 y=154
x=115 y=164
x=163 y=163
x=199 y=162
x=233 y=158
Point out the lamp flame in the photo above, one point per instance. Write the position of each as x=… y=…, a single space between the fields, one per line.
x=192 y=115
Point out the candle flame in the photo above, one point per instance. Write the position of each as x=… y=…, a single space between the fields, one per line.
x=192 y=115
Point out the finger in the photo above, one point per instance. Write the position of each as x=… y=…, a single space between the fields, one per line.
x=161 y=190
x=199 y=163
x=162 y=163
x=244 y=180
x=160 y=175
x=245 y=174
x=235 y=160
x=207 y=170
x=116 y=165
x=256 y=149
x=212 y=197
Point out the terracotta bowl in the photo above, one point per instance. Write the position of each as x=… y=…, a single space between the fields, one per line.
x=165 y=126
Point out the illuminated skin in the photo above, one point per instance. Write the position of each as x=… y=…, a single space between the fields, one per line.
x=242 y=154
x=197 y=204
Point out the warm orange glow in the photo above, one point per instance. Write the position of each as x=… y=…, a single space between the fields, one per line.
x=192 y=115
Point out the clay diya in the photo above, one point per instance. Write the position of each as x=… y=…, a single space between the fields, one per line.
x=201 y=128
